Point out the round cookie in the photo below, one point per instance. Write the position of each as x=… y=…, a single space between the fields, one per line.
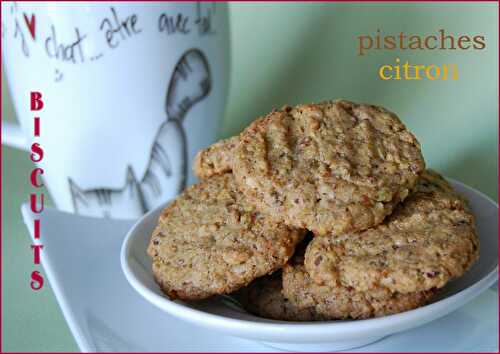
x=332 y=167
x=291 y=295
x=210 y=241
x=428 y=240
x=264 y=298
x=335 y=301
x=215 y=159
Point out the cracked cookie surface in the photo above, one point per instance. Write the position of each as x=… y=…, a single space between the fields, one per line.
x=332 y=167
x=210 y=241
x=428 y=240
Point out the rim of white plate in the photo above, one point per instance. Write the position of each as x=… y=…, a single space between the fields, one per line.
x=343 y=329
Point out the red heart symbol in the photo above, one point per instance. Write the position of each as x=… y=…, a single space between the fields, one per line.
x=30 y=24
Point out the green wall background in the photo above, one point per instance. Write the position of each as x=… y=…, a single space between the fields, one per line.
x=296 y=53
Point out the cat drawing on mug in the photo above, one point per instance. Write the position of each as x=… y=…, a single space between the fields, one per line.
x=189 y=84
x=126 y=202
x=167 y=167
x=166 y=171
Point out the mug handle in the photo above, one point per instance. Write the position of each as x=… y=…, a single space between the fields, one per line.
x=13 y=136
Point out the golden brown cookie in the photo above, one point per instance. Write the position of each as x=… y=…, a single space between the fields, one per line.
x=335 y=301
x=291 y=295
x=264 y=298
x=428 y=240
x=210 y=241
x=332 y=167
x=215 y=159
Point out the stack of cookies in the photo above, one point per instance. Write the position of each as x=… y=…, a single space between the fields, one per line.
x=318 y=212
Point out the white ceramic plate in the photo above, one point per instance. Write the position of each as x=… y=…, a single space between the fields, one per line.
x=106 y=314
x=222 y=315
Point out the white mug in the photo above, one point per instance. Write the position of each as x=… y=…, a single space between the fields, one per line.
x=131 y=92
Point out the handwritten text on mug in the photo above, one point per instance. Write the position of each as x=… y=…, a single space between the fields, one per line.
x=115 y=28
